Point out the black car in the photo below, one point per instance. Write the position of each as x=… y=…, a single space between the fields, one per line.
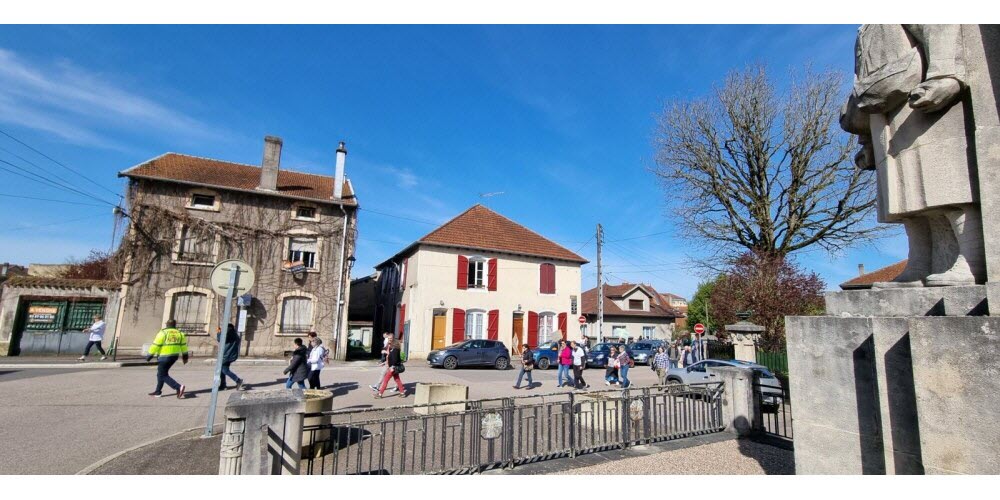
x=598 y=356
x=471 y=353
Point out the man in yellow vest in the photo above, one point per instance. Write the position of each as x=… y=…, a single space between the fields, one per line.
x=169 y=344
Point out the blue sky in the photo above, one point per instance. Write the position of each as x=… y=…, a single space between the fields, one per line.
x=558 y=118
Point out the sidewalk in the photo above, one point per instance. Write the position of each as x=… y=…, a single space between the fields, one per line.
x=93 y=362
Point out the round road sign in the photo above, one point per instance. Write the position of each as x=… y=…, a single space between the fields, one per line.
x=583 y=319
x=220 y=277
x=699 y=328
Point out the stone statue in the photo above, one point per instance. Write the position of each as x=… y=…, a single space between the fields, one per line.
x=910 y=108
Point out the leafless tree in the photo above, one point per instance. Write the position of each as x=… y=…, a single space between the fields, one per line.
x=747 y=167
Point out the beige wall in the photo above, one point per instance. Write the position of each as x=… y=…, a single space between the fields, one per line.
x=432 y=280
x=662 y=328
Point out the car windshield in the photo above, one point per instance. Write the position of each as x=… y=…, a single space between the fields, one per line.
x=460 y=345
x=642 y=347
x=604 y=347
x=548 y=345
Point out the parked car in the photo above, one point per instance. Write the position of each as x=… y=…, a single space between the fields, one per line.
x=598 y=356
x=644 y=351
x=471 y=353
x=547 y=355
x=770 y=386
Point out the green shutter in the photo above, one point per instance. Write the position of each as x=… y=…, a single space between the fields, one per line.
x=81 y=315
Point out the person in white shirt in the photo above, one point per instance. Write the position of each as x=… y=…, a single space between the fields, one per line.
x=579 y=361
x=96 y=332
x=316 y=360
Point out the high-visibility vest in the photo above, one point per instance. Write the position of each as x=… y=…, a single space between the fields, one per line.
x=169 y=342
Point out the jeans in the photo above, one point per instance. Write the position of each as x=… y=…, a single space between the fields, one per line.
x=391 y=374
x=521 y=374
x=314 y=379
x=611 y=374
x=673 y=363
x=563 y=374
x=623 y=374
x=226 y=372
x=289 y=382
x=163 y=365
x=661 y=373
x=578 y=380
x=92 y=343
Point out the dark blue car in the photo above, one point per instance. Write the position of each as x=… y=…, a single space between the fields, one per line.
x=598 y=357
x=547 y=355
x=471 y=353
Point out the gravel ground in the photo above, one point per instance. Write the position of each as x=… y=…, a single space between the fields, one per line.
x=733 y=457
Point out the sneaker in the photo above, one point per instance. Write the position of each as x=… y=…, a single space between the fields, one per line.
x=155 y=394
x=180 y=392
x=81 y=358
x=402 y=394
x=516 y=387
x=377 y=396
x=103 y=358
x=239 y=385
x=607 y=383
x=373 y=387
x=393 y=389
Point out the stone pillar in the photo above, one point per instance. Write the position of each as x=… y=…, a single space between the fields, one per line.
x=745 y=335
x=740 y=412
x=263 y=432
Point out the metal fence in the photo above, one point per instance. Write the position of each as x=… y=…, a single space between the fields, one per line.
x=776 y=361
x=720 y=350
x=473 y=436
x=775 y=409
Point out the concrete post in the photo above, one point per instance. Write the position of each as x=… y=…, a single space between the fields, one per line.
x=740 y=412
x=745 y=335
x=263 y=432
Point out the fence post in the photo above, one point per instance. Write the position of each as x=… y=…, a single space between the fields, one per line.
x=572 y=424
x=623 y=411
x=740 y=414
x=272 y=432
x=511 y=412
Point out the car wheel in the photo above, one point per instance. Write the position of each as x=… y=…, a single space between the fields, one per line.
x=674 y=381
x=450 y=363
x=543 y=364
x=502 y=363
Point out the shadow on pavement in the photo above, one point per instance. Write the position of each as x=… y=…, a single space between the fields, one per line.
x=774 y=460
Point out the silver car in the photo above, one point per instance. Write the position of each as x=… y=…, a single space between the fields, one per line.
x=770 y=386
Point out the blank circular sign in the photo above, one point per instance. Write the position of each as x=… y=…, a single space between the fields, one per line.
x=220 y=277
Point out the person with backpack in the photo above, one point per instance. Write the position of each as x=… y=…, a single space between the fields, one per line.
x=298 y=367
x=527 y=365
x=230 y=353
x=624 y=363
x=395 y=366
x=317 y=360
x=386 y=339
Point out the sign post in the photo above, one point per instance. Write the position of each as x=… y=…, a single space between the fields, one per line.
x=226 y=282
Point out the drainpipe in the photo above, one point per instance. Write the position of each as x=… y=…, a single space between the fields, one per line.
x=340 y=285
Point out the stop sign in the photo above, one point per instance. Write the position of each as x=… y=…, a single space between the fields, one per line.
x=583 y=319
x=699 y=328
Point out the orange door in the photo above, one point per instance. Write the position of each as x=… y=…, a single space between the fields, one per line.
x=437 y=340
x=517 y=339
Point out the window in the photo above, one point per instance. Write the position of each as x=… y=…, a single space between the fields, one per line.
x=583 y=330
x=475 y=325
x=477 y=272
x=190 y=311
x=647 y=332
x=635 y=305
x=303 y=250
x=305 y=213
x=619 y=331
x=296 y=315
x=195 y=245
x=547 y=278
x=546 y=327
x=199 y=200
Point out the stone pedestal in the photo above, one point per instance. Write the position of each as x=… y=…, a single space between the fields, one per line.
x=879 y=389
x=270 y=422
x=745 y=335
x=738 y=406
x=428 y=394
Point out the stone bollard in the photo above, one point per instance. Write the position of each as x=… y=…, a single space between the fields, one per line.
x=428 y=394
x=263 y=432
x=740 y=410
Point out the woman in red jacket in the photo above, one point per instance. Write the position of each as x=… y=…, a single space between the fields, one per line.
x=565 y=364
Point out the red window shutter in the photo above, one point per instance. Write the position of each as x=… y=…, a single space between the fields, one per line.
x=402 y=319
x=493 y=325
x=458 y=325
x=547 y=278
x=532 y=329
x=463 y=272
x=562 y=324
x=492 y=275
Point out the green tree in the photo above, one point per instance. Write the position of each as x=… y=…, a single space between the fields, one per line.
x=699 y=310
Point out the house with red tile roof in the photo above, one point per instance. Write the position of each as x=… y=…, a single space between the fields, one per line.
x=631 y=311
x=186 y=213
x=865 y=280
x=479 y=276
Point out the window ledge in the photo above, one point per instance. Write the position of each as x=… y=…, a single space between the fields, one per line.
x=192 y=263
x=202 y=209
x=305 y=219
x=310 y=271
x=284 y=334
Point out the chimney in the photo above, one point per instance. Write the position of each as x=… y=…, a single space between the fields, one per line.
x=338 y=177
x=269 y=167
x=861 y=269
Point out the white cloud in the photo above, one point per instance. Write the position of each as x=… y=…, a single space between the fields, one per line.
x=73 y=103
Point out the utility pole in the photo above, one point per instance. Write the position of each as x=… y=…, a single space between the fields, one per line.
x=600 y=286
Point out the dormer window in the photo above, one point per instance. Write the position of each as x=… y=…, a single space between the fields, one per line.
x=202 y=201
x=305 y=213
x=635 y=305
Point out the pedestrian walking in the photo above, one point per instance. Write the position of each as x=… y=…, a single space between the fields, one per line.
x=661 y=363
x=674 y=353
x=168 y=345
x=527 y=366
x=687 y=358
x=298 y=366
x=565 y=363
x=96 y=332
x=395 y=367
x=579 y=359
x=611 y=369
x=230 y=353
x=317 y=360
x=384 y=355
x=624 y=363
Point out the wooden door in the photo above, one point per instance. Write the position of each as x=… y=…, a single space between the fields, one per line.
x=517 y=339
x=438 y=338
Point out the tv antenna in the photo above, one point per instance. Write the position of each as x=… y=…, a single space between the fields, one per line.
x=486 y=197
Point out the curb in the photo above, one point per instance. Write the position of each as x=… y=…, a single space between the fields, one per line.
x=98 y=464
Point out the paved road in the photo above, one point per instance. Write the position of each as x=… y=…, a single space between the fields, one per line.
x=59 y=421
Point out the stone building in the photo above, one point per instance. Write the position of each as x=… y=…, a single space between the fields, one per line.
x=187 y=213
x=630 y=311
x=479 y=276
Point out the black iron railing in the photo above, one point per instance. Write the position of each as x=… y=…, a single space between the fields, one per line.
x=473 y=436
x=775 y=409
